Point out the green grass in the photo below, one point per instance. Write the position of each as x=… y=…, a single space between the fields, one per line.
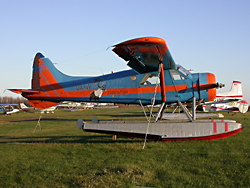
x=61 y=155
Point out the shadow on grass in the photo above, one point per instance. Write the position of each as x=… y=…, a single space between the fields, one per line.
x=67 y=139
x=43 y=119
x=134 y=114
x=86 y=118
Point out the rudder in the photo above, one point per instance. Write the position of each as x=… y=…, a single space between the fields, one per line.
x=46 y=78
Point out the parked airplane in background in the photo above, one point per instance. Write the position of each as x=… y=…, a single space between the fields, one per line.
x=26 y=108
x=231 y=101
x=74 y=106
x=9 y=109
x=46 y=110
x=67 y=104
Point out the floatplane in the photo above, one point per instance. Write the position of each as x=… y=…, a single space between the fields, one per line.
x=155 y=79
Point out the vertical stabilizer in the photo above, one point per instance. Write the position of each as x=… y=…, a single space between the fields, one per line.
x=35 y=82
x=23 y=106
x=47 y=78
x=234 y=93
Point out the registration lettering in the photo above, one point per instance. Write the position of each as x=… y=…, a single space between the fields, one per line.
x=41 y=67
x=118 y=92
x=84 y=87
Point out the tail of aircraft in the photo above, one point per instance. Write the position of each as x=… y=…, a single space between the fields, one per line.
x=23 y=106
x=234 y=93
x=49 y=81
x=46 y=76
x=231 y=101
x=45 y=79
x=46 y=84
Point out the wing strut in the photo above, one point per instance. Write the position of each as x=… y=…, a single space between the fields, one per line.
x=163 y=91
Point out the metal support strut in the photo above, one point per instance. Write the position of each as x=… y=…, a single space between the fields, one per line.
x=191 y=117
x=163 y=93
x=194 y=109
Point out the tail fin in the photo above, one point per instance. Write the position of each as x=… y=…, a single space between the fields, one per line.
x=235 y=92
x=49 y=86
x=23 y=106
x=48 y=80
x=46 y=76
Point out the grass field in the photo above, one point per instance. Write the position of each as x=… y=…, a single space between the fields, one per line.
x=61 y=155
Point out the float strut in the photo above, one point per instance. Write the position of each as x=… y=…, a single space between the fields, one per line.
x=185 y=110
x=162 y=82
x=163 y=94
x=194 y=109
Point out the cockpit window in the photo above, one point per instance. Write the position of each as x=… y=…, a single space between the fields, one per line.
x=150 y=79
x=183 y=70
x=176 y=76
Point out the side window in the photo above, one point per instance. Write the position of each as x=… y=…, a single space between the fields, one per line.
x=150 y=79
x=176 y=75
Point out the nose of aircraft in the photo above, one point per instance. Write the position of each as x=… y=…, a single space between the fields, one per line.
x=208 y=85
x=212 y=85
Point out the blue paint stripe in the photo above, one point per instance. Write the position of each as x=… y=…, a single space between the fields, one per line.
x=49 y=84
x=40 y=87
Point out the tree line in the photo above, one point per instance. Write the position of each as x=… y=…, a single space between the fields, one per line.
x=13 y=100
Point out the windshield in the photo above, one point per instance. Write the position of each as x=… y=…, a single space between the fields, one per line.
x=183 y=70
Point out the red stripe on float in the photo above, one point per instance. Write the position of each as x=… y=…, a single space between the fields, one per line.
x=215 y=128
x=226 y=127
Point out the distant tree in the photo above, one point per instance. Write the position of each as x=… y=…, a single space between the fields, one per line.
x=5 y=100
x=12 y=100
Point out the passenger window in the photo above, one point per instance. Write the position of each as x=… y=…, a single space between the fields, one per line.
x=150 y=79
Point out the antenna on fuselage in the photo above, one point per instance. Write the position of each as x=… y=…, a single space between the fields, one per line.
x=101 y=71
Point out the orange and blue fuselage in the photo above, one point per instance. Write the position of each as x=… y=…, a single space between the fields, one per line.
x=50 y=86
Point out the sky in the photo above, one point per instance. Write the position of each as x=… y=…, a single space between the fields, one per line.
x=205 y=36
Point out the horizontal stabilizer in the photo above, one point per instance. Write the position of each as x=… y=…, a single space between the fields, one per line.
x=20 y=91
x=42 y=104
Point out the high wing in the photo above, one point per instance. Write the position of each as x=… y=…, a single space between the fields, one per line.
x=145 y=54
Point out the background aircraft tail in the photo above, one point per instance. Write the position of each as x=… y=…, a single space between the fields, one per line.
x=235 y=92
x=23 y=106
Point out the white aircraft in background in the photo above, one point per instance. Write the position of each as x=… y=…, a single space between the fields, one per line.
x=75 y=106
x=8 y=109
x=231 y=101
x=67 y=104
x=46 y=110
x=11 y=111
x=26 y=108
